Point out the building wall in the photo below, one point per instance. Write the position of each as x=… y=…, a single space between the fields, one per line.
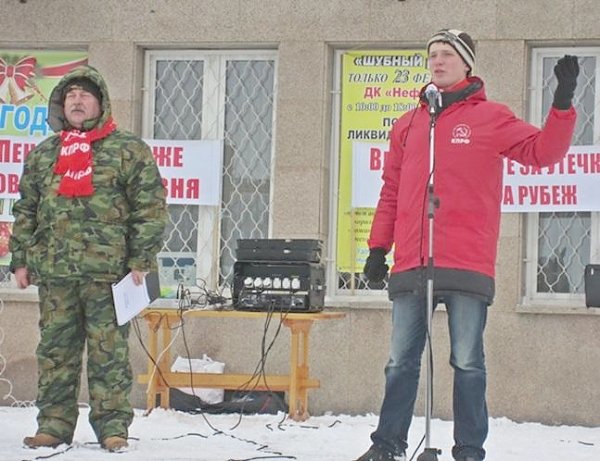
x=541 y=366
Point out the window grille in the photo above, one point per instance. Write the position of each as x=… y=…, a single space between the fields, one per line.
x=560 y=244
x=214 y=95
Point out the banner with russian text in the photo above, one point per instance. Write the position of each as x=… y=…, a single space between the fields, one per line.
x=26 y=79
x=190 y=170
x=377 y=87
x=572 y=184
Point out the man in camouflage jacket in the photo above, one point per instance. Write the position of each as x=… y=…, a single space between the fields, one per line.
x=92 y=209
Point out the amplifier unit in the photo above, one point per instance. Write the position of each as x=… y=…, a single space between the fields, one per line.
x=279 y=250
x=280 y=286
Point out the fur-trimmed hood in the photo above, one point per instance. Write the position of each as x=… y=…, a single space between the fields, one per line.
x=56 y=114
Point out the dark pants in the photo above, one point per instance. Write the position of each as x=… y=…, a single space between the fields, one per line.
x=73 y=313
x=466 y=322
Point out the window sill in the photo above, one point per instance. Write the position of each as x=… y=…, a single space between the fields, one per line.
x=561 y=309
x=359 y=302
x=13 y=294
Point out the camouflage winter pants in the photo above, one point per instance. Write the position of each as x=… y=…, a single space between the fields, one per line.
x=74 y=313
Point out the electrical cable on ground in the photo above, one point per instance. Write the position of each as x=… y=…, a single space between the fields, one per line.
x=188 y=303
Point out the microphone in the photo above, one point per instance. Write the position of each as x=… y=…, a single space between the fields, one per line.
x=433 y=97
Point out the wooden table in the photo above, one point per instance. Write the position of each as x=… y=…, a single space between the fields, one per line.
x=160 y=324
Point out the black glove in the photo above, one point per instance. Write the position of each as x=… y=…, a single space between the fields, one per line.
x=566 y=71
x=375 y=267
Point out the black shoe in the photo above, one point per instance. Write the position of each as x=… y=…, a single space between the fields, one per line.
x=378 y=453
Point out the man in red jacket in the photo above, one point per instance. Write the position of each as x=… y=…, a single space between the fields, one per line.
x=472 y=135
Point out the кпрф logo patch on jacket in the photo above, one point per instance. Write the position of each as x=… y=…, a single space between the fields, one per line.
x=461 y=134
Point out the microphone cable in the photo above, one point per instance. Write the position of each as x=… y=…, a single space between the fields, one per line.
x=259 y=370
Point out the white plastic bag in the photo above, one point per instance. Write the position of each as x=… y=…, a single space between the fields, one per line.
x=203 y=365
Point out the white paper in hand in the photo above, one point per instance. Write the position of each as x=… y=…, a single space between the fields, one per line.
x=129 y=299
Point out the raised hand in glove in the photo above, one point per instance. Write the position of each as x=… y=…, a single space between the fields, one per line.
x=566 y=71
x=375 y=267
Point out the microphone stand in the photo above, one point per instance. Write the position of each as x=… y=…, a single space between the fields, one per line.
x=429 y=453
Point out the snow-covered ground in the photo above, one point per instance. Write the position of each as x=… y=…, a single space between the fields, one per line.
x=168 y=435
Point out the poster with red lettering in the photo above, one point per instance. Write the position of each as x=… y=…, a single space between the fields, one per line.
x=570 y=185
x=367 y=168
x=13 y=150
x=191 y=170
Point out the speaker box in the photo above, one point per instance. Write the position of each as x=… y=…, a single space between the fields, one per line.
x=592 y=285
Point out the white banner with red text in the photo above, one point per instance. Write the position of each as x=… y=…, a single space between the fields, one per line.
x=572 y=184
x=191 y=170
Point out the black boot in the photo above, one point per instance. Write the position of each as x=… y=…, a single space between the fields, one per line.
x=379 y=453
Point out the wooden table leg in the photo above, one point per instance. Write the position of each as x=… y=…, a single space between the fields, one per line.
x=164 y=364
x=159 y=377
x=303 y=392
x=153 y=327
x=298 y=397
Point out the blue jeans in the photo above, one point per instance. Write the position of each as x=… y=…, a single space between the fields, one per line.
x=466 y=322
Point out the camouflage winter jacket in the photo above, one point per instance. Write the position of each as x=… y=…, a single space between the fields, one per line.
x=120 y=227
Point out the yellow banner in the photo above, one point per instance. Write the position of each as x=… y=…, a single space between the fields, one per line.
x=377 y=88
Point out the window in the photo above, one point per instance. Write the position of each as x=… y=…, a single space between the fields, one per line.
x=560 y=244
x=227 y=95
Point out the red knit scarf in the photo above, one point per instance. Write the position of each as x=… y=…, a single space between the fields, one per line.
x=75 y=159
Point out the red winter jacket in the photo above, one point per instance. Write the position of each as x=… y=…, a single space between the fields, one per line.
x=472 y=135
